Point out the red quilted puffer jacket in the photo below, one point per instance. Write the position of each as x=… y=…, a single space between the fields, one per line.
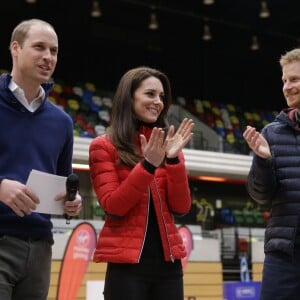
x=124 y=195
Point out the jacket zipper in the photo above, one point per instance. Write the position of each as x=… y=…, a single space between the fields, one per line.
x=164 y=221
x=146 y=227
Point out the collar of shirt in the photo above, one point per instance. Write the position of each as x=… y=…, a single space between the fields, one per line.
x=297 y=117
x=19 y=94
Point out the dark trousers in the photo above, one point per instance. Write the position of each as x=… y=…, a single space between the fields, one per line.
x=156 y=280
x=25 y=267
x=281 y=277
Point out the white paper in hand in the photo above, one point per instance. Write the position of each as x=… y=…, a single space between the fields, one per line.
x=46 y=186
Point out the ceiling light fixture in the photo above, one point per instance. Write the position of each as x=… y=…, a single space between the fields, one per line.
x=254 y=44
x=264 y=10
x=208 y=2
x=153 y=25
x=206 y=33
x=96 y=12
x=31 y=1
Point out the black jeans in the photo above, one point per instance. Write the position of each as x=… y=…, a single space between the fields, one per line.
x=150 y=280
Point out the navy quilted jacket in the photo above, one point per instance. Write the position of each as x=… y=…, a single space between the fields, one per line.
x=277 y=182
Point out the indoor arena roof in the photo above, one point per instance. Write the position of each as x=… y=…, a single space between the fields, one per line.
x=224 y=67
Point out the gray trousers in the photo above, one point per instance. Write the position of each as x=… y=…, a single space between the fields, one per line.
x=25 y=268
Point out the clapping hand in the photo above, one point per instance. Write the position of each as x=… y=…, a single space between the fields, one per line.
x=176 y=141
x=155 y=149
x=257 y=142
x=158 y=147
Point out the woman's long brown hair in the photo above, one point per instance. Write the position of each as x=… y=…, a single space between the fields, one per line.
x=124 y=123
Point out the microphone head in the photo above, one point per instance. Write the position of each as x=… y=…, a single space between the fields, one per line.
x=72 y=185
x=72 y=181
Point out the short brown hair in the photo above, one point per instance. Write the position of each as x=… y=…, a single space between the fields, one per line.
x=20 y=32
x=290 y=56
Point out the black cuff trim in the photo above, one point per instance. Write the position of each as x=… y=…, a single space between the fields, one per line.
x=172 y=161
x=149 y=167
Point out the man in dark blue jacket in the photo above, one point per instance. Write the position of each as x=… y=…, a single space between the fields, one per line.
x=34 y=134
x=274 y=179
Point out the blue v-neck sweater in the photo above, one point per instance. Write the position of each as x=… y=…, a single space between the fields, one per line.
x=41 y=140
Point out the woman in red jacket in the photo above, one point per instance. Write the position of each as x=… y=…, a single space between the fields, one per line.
x=139 y=176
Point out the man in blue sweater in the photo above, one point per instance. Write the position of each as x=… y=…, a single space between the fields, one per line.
x=34 y=134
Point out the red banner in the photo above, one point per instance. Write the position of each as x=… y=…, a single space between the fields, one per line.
x=187 y=238
x=77 y=257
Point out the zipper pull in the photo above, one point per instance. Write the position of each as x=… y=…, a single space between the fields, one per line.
x=172 y=258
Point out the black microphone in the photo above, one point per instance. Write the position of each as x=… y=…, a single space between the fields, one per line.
x=72 y=185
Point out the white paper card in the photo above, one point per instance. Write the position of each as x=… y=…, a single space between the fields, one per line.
x=47 y=187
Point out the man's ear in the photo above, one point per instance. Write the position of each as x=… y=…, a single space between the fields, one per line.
x=14 y=47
